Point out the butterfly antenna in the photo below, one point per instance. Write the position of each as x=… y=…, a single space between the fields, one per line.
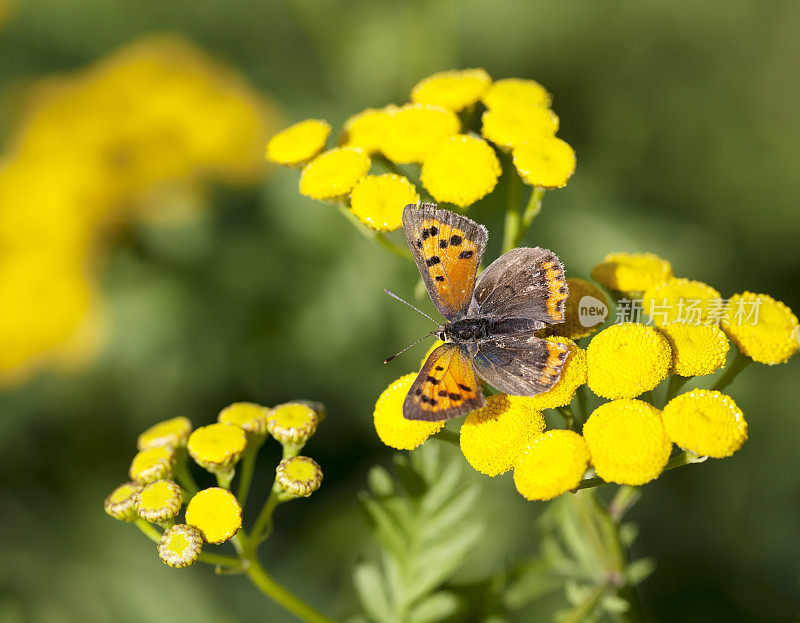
x=424 y=337
x=419 y=311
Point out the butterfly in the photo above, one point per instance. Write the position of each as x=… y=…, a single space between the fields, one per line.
x=490 y=319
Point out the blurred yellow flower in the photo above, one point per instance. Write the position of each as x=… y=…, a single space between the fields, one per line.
x=553 y=463
x=216 y=513
x=367 y=129
x=152 y=464
x=511 y=126
x=545 y=161
x=217 y=446
x=460 y=170
x=414 y=130
x=573 y=375
x=708 y=423
x=334 y=173
x=173 y=432
x=299 y=142
x=494 y=436
x=180 y=545
x=627 y=442
x=626 y=360
x=573 y=327
x=762 y=328
x=293 y=422
x=393 y=429
x=696 y=349
x=121 y=503
x=453 y=90
x=159 y=501
x=681 y=300
x=632 y=272
x=298 y=475
x=378 y=200
x=249 y=416
x=511 y=92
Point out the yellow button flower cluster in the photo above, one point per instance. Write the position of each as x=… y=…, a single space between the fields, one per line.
x=632 y=272
x=553 y=463
x=393 y=429
x=708 y=423
x=573 y=375
x=696 y=349
x=771 y=339
x=681 y=300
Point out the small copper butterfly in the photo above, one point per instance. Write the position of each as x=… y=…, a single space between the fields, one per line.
x=490 y=319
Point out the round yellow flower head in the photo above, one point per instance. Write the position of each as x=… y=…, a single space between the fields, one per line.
x=393 y=429
x=626 y=360
x=514 y=92
x=121 y=504
x=461 y=170
x=511 y=126
x=378 y=200
x=682 y=300
x=494 y=436
x=217 y=446
x=706 y=422
x=159 y=501
x=762 y=328
x=293 y=422
x=573 y=375
x=180 y=545
x=367 y=129
x=545 y=161
x=299 y=142
x=172 y=432
x=453 y=90
x=627 y=442
x=334 y=173
x=632 y=272
x=415 y=129
x=248 y=416
x=582 y=316
x=553 y=463
x=696 y=349
x=216 y=513
x=152 y=464
x=298 y=475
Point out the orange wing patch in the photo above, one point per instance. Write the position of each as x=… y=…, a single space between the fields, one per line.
x=556 y=356
x=557 y=288
x=445 y=388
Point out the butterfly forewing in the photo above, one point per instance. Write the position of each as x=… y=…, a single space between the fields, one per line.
x=447 y=248
x=445 y=388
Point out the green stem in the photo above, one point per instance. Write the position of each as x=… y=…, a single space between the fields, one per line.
x=739 y=363
x=448 y=436
x=568 y=415
x=247 y=468
x=149 y=530
x=267 y=585
x=625 y=497
x=676 y=383
x=264 y=518
x=531 y=210
x=220 y=560
x=374 y=236
x=511 y=230
x=679 y=460
x=183 y=475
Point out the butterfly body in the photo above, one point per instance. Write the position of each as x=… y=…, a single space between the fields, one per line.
x=490 y=320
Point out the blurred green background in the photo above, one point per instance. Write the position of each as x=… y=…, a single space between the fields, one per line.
x=684 y=117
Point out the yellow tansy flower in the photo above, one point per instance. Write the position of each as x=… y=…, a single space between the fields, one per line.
x=159 y=501
x=217 y=446
x=553 y=463
x=293 y=422
x=494 y=436
x=632 y=272
x=334 y=173
x=393 y=429
x=250 y=417
x=627 y=442
x=547 y=162
x=453 y=90
x=511 y=126
x=180 y=545
x=299 y=142
x=367 y=129
x=216 y=513
x=706 y=422
x=414 y=130
x=762 y=328
x=461 y=170
x=298 y=475
x=582 y=315
x=696 y=349
x=378 y=200
x=681 y=300
x=573 y=375
x=172 y=432
x=626 y=360
x=152 y=464
x=121 y=503
x=511 y=92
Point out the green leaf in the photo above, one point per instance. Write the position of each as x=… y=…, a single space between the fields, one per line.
x=454 y=512
x=614 y=604
x=435 y=608
x=442 y=488
x=533 y=581
x=380 y=482
x=628 y=533
x=639 y=570
x=371 y=592
x=386 y=528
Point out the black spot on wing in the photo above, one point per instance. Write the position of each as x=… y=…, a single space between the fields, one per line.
x=456 y=240
x=434 y=260
x=465 y=255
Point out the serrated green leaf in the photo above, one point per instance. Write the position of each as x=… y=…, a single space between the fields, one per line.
x=639 y=570
x=380 y=481
x=583 y=611
x=409 y=480
x=371 y=592
x=533 y=581
x=628 y=533
x=614 y=604
x=435 y=608
x=426 y=462
x=385 y=526
x=576 y=593
x=453 y=512
x=442 y=487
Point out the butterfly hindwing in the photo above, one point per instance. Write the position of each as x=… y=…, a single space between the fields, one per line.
x=447 y=248
x=445 y=388
x=524 y=283
x=521 y=364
